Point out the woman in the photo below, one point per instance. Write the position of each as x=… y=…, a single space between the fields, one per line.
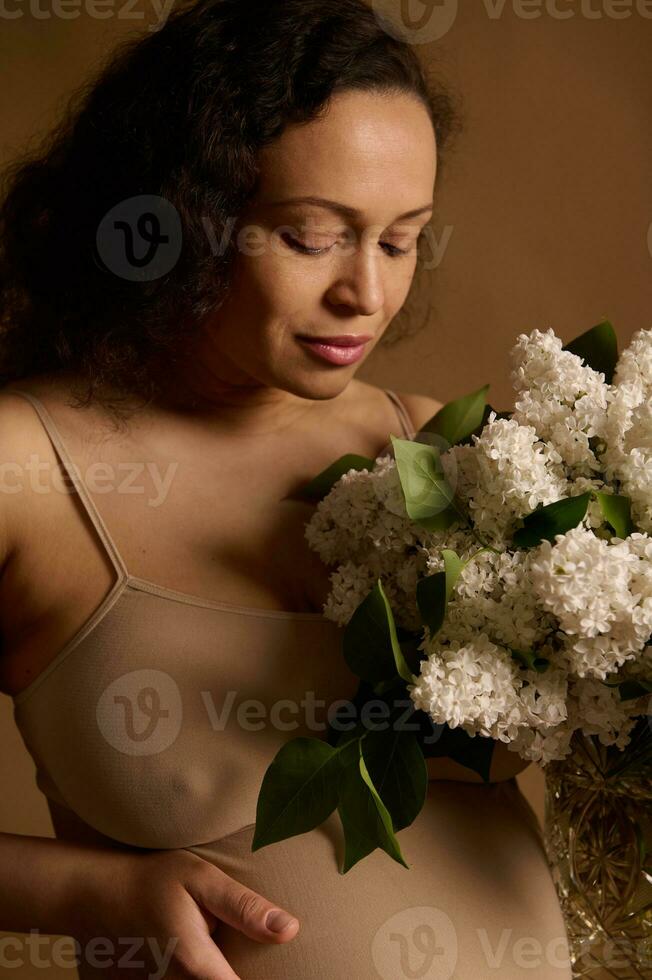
x=165 y=302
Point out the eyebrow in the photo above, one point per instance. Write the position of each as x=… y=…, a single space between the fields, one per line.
x=343 y=209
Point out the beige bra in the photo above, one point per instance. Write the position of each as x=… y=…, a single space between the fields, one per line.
x=156 y=722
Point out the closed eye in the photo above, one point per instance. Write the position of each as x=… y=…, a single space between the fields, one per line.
x=393 y=250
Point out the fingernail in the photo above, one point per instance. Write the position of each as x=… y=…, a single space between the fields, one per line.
x=277 y=920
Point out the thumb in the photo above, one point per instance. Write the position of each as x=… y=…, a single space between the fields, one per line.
x=242 y=908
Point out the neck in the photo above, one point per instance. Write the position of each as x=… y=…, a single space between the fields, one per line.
x=246 y=407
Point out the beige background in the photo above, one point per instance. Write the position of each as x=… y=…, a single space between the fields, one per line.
x=546 y=207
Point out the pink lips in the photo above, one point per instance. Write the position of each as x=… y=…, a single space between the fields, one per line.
x=345 y=349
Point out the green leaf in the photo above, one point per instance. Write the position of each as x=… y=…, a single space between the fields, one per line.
x=401 y=666
x=530 y=660
x=365 y=819
x=556 y=518
x=342 y=722
x=410 y=642
x=488 y=409
x=617 y=512
x=475 y=752
x=429 y=499
x=324 y=482
x=598 y=348
x=398 y=770
x=370 y=644
x=434 y=591
x=431 y=600
x=458 y=419
x=298 y=792
x=453 y=565
x=634 y=688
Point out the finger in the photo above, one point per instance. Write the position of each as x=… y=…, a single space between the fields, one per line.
x=206 y=963
x=199 y=956
x=241 y=907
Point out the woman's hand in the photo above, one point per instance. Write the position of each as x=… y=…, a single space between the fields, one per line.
x=504 y=765
x=171 y=901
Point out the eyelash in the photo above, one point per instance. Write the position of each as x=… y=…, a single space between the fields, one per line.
x=395 y=252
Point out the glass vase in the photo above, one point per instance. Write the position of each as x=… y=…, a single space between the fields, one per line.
x=598 y=837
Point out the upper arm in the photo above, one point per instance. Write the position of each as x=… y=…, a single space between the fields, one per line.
x=6 y=464
x=420 y=408
x=17 y=443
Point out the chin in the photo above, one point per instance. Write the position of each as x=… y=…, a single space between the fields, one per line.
x=319 y=387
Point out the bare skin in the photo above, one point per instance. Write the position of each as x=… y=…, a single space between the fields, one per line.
x=254 y=555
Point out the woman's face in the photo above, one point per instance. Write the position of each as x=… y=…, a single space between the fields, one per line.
x=374 y=156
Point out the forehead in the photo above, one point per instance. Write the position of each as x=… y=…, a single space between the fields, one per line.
x=375 y=152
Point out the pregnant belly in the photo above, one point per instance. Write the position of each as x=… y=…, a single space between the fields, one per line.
x=477 y=900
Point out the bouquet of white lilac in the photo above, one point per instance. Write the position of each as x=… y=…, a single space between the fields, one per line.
x=498 y=569
x=544 y=539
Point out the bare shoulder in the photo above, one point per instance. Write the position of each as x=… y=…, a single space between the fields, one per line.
x=18 y=438
x=18 y=420
x=22 y=437
x=367 y=397
x=420 y=408
x=18 y=423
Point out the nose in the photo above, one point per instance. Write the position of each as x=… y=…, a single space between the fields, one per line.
x=359 y=284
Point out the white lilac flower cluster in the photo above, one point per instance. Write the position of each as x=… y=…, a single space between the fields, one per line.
x=581 y=603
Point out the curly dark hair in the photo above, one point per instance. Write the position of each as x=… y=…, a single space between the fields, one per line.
x=179 y=113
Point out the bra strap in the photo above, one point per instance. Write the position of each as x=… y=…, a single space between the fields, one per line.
x=73 y=472
x=402 y=412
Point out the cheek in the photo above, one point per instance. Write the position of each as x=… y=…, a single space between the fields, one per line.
x=399 y=283
x=277 y=278
x=256 y=288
